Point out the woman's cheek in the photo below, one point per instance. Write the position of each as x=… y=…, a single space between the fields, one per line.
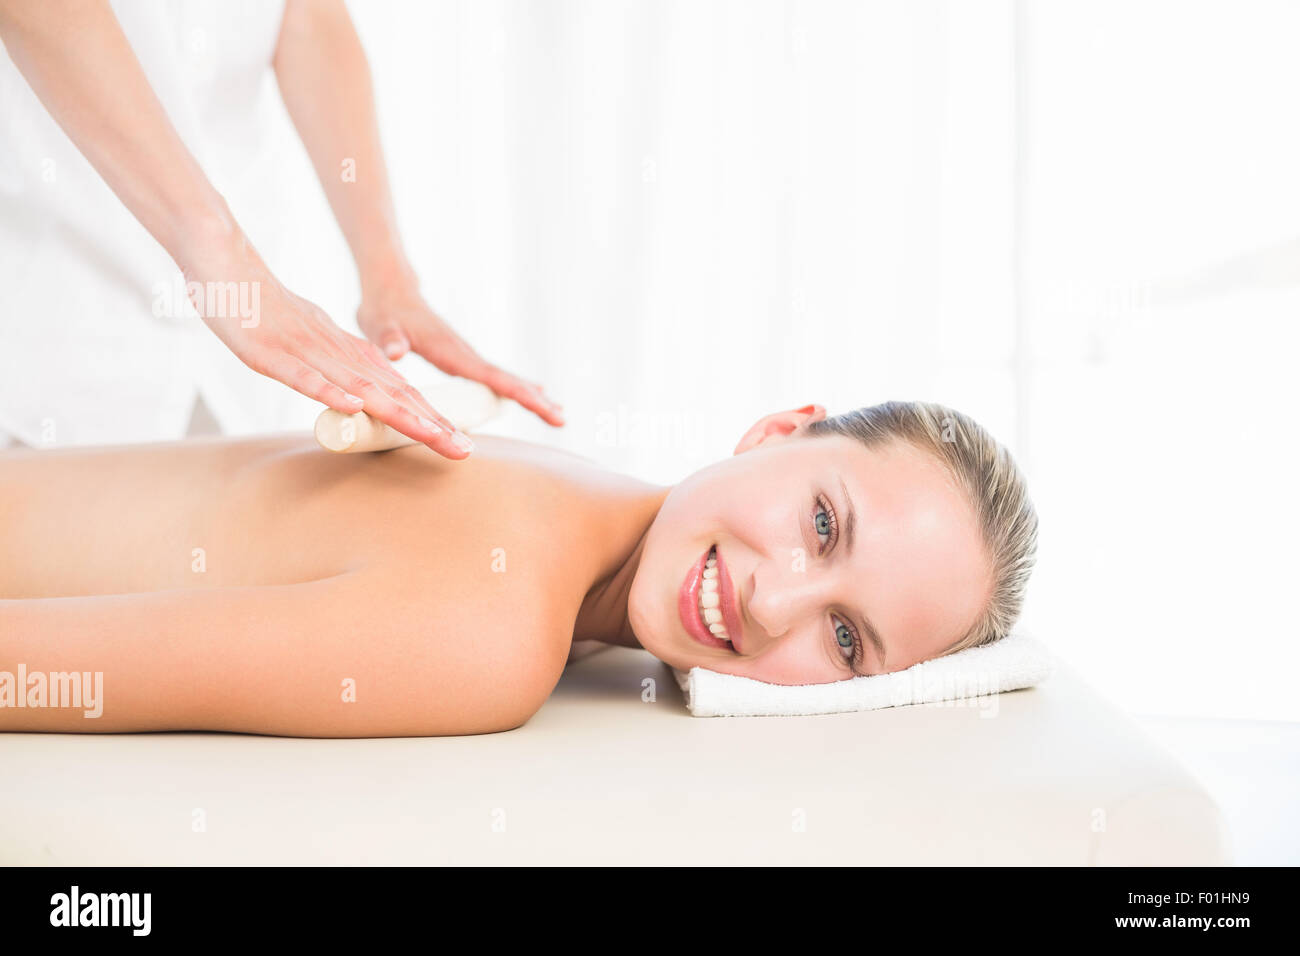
x=795 y=659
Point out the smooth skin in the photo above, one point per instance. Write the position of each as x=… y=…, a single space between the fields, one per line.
x=241 y=585
x=79 y=63
x=237 y=585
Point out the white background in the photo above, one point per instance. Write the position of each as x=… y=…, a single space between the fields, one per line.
x=1078 y=222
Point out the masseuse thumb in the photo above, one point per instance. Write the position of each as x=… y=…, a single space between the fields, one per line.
x=394 y=343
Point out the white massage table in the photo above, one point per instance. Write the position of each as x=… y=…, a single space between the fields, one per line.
x=1052 y=775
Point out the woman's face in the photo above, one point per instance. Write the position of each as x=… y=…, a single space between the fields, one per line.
x=797 y=586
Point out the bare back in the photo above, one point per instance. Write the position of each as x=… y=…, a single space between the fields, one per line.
x=197 y=563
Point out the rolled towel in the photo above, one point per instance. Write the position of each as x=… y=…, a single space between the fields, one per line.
x=1016 y=661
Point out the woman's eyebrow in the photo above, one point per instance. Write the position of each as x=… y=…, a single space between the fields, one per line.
x=852 y=518
x=872 y=634
x=873 y=637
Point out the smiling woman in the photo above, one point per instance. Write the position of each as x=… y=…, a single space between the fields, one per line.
x=266 y=586
x=831 y=548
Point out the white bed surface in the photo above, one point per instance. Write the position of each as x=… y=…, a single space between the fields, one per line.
x=1047 y=775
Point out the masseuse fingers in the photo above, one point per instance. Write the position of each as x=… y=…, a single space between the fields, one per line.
x=449 y=352
x=356 y=366
x=527 y=394
x=301 y=377
x=396 y=409
x=407 y=395
x=388 y=376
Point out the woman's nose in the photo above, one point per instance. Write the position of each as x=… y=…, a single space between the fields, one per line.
x=783 y=598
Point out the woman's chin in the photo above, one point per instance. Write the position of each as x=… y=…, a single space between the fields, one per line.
x=659 y=645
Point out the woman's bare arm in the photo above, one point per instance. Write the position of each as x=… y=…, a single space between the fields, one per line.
x=80 y=65
x=78 y=62
x=326 y=85
x=325 y=82
x=346 y=656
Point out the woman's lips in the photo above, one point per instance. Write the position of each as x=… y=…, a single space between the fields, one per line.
x=688 y=604
x=727 y=604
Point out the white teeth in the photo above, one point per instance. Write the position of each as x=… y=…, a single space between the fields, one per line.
x=712 y=618
x=710 y=599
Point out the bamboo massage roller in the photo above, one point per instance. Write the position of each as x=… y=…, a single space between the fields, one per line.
x=466 y=404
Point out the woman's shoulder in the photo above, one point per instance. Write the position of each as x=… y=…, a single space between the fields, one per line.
x=517 y=526
x=513 y=535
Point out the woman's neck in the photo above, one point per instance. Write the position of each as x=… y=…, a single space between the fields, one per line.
x=603 y=615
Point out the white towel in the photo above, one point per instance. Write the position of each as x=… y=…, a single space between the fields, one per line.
x=1016 y=661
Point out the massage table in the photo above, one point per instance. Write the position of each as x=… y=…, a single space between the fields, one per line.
x=613 y=769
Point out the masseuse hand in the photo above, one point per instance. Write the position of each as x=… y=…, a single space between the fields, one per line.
x=397 y=319
x=291 y=340
x=95 y=89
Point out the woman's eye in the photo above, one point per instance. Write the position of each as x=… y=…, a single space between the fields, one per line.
x=847 y=642
x=824 y=519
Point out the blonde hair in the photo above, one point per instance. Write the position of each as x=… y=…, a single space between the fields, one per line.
x=991 y=481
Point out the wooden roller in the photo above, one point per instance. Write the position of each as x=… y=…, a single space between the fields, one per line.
x=465 y=403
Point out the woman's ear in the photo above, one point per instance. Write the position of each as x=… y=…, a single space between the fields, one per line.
x=780 y=425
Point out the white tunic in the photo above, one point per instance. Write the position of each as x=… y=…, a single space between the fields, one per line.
x=94 y=347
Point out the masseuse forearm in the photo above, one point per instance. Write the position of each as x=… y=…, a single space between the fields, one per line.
x=325 y=82
x=78 y=61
